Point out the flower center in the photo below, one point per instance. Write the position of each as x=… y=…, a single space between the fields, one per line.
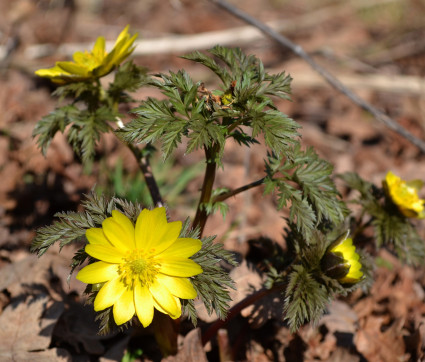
x=138 y=265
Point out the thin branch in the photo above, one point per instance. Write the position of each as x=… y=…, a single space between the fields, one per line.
x=234 y=192
x=142 y=157
x=145 y=167
x=298 y=50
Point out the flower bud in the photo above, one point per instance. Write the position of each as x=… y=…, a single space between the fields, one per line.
x=341 y=261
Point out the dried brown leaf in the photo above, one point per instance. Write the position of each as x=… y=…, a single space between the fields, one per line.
x=26 y=329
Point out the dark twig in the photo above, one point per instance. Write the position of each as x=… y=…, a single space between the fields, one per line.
x=145 y=167
x=298 y=50
x=234 y=192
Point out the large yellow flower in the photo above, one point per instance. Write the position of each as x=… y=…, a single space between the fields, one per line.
x=93 y=65
x=143 y=267
x=341 y=261
x=405 y=195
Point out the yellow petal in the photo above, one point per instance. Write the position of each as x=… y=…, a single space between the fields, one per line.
x=163 y=238
x=98 y=272
x=122 y=35
x=165 y=299
x=179 y=267
x=124 y=307
x=96 y=236
x=179 y=308
x=119 y=232
x=148 y=224
x=158 y=307
x=179 y=287
x=126 y=225
x=73 y=68
x=415 y=184
x=109 y=294
x=51 y=72
x=105 y=253
x=182 y=247
x=143 y=301
x=99 y=49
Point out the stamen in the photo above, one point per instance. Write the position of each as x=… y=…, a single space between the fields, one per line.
x=138 y=265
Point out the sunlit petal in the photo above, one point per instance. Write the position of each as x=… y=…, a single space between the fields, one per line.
x=120 y=235
x=109 y=294
x=98 y=272
x=105 y=253
x=165 y=299
x=179 y=287
x=182 y=247
x=143 y=301
x=148 y=225
x=96 y=236
x=179 y=267
x=124 y=307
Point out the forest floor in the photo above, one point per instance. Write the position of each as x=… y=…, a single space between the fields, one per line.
x=377 y=48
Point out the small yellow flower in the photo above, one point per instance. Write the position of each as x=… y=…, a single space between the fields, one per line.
x=405 y=195
x=93 y=65
x=143 y=267
x=341 y=261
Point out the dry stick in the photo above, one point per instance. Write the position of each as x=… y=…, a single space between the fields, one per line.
x=142 y=158
x=298 y=50
x=146 y=169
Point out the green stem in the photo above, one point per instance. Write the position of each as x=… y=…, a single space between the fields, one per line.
x=234 y=192
x=206 y=191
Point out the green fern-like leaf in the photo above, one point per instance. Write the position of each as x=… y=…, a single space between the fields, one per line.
x=305 y=299
x=55 y=122
x=214 y=282
x=303 y=182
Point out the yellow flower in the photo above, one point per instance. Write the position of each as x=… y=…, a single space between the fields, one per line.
x=405 y=195
x=143 y=267
x=341 y=261
x=93 y=65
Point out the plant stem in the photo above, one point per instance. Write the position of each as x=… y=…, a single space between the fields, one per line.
x=142 y=157
x=206 y=191
x=234 y=192
x=145 y=167
x=236 y=309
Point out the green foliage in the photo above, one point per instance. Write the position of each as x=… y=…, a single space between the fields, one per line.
x=202 y=116
x=91 y=112
x=54 y=122
x=305 y=298
x=72 y=226
x=128 y=78
x=304 y=181
x=391 y=227
x=132 y=355
x=213 y=284
x=214 y=206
